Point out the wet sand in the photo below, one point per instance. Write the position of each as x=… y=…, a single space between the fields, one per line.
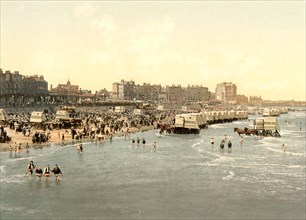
x=56 y=137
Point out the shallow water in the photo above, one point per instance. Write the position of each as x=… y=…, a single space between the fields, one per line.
x=185 y=178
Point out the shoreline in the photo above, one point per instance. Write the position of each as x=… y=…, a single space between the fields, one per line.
x=56 y=138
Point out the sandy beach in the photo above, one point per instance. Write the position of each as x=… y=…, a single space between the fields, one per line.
x=56 y=137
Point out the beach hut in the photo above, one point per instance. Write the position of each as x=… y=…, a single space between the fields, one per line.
x=137 y=111
x=267 y=126
x=119 y=109
x=3 y=117
x=38 y=117
x=187 y=124
x=62 y=115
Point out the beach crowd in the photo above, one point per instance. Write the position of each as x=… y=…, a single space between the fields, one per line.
x=93 y=127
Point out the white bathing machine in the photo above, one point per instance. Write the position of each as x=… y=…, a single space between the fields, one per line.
x=208 y=117
x=160 y=108
x=119 y=109
x=38 y=117
x=215 y=116
x=203 y=123
x=227 y=116
x=267 y=126
x=3 y=116
x=187 y=123
x=233 y=115
x=62 y=115
x=137 y=111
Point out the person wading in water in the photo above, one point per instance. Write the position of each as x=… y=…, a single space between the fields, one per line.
x=46 y=172
x=57 y=171
x=30 y=168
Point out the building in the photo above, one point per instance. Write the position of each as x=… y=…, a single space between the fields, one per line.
x=16 y=89
x=197 y=93
x=35 y=86
x=125 y=90
x=103 y=94
x=148 y=92
x=176 y=94
x=162 y=96
x=242 y=100
x=255 y=101
x=226 y=92
x=115 y=90
x=64 y=93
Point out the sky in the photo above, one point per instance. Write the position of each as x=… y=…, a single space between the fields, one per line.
x=258 y=45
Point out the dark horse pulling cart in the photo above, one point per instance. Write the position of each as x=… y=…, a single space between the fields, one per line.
x=246 y=131
x=267 y=126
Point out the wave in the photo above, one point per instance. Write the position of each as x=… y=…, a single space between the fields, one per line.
x=230 y=176
x=227 y=159
x=2 y=170
x=287 y=152
x=217 y=126
x=294 y=166
x=286 y=132
x=196 y=144
x=4 y=207
x=18 y=178
x=11 y=208
x=207 y=164
x=20 y=158
x=237 y=122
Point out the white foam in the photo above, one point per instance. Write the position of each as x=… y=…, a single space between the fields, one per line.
x=20 y=158
x=196 y=144
x=206 y=164
x=5 y=207
x=295 y=166
x=18 y=178
x=230 y=176
x=227 y=159
x=2 y=169
x=287 y=152
x=237 y=122
x=217 y=126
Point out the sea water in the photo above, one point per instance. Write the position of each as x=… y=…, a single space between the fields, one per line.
x=185 y=178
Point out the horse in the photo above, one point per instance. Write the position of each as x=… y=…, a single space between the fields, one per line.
x=249 y=131
x=164 y=127
x=239 y=131
x=246 y=131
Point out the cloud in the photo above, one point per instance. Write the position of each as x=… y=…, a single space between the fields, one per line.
x=140 y=48
x=84 y=9
x=104 y=57
x=148 y=48
x=151 y=36
x=105 y=24
x=269 y=86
